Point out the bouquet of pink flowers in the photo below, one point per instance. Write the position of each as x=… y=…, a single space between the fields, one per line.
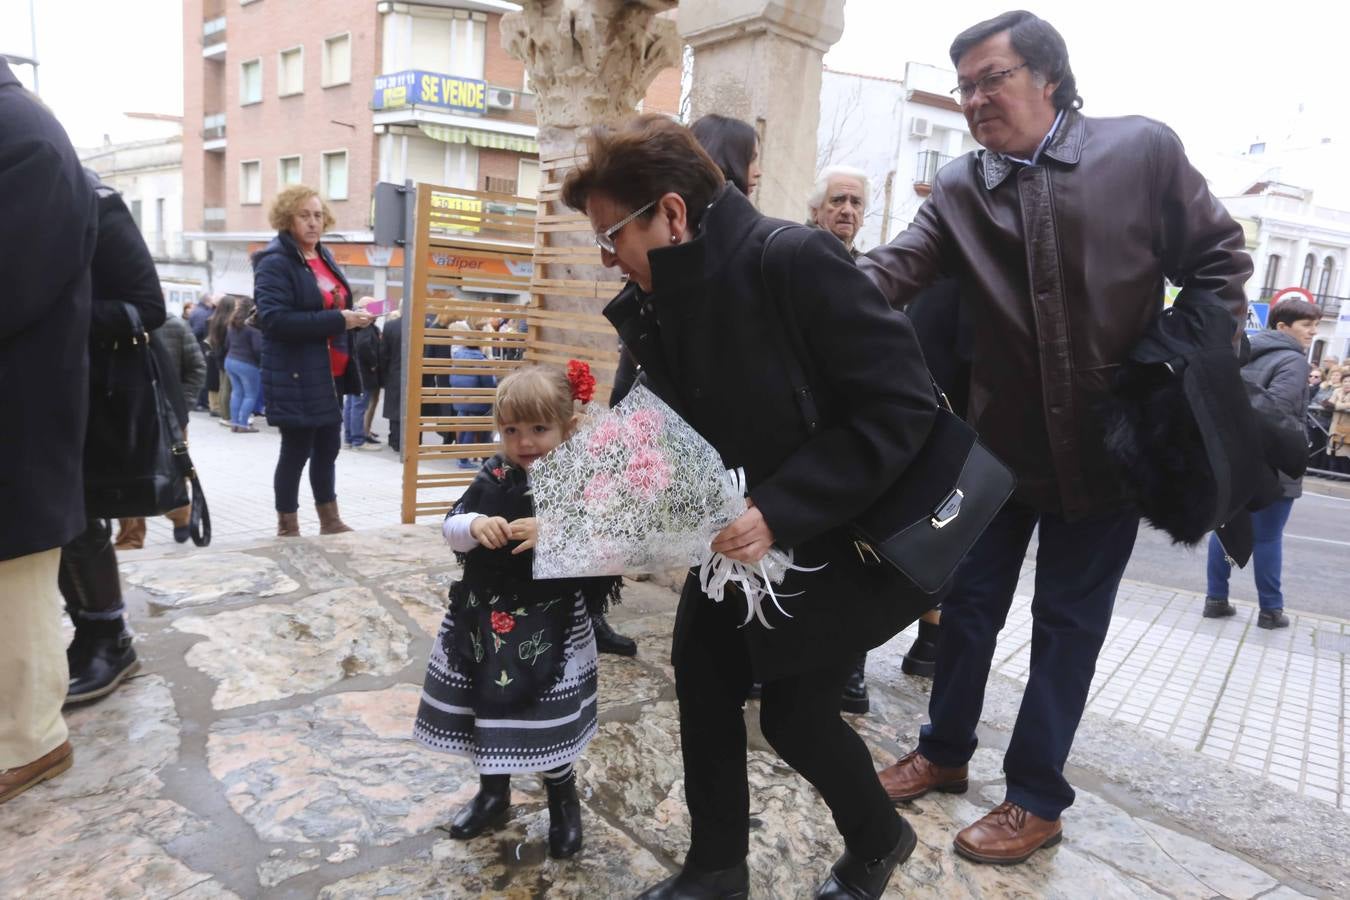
x=635 y=489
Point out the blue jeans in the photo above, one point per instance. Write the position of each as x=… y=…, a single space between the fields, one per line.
x=354 y=419
x=1078 y=569
x=1267 y=556
x=245 y=389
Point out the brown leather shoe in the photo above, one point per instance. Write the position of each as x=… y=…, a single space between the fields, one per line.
x=914 y=775
x=1007 y=835
x=15 y=781
x=329 y=520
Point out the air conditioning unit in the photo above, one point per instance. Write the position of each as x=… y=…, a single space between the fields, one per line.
x=920 y=127
x=499 y=99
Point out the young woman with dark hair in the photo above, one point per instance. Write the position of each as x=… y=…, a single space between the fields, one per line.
x=243 y=363
x=733 y=146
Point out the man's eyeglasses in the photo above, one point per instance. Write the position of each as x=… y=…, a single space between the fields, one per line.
x=605 y=239
x=989 y=85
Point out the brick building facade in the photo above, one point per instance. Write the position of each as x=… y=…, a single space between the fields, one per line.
x=340 y=96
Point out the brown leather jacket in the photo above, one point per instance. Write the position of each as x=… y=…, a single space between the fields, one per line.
x=1062 y=264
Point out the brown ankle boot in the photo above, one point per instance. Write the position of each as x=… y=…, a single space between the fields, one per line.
x=288 y=524
x=329 y=520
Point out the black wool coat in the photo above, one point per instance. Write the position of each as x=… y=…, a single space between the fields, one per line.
x=391 y=367
x=48 y=228
x=701 y=340
x=297 y=376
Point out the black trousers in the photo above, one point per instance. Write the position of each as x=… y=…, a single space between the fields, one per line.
x=799 y=716
x=319 y=448
x=88 y=576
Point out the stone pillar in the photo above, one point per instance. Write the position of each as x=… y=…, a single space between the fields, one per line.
x=761 y=61
x=589 y=62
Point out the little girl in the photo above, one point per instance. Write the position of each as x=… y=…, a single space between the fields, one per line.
x=511 y=682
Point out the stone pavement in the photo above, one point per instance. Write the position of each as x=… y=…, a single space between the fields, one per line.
x=264 y=751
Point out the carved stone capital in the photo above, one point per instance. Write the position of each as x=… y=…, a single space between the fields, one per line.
x=590 y=61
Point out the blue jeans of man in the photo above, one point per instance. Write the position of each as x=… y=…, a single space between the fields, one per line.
x=1267 y=556
x=1078 y=569
x=245 y=389
x=354 y=419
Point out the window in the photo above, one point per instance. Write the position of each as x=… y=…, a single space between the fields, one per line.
x=1272 y=273
x=426 y=160
x=1324 y=285
x=136 y=212
x=337 y=60
x=527 y=184
x=1309 y=263
x=250 y=182
x=250 y=82
x=333 y=175
x=291 y=72
x=288 y=171
x=455 y=46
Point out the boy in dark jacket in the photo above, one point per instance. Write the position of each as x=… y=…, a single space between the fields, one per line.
x=1279 y=368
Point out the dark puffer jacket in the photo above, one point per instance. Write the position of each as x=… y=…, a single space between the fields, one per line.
x=1279 y=366
x=297 y=376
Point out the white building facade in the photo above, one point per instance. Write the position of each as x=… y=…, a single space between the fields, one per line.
x=148 y=174
x=1300 y=244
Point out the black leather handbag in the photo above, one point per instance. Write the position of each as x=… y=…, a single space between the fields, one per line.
x=136 y=461
x=924 y=524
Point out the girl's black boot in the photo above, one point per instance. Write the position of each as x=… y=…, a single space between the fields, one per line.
x=564 y=817
x=486 y=810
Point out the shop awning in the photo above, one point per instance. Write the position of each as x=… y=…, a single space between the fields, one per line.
x=478 y=138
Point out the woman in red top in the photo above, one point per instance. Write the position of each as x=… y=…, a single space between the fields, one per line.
x=305 y=312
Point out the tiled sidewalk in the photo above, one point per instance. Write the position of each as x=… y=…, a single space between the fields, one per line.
x=1276 y=703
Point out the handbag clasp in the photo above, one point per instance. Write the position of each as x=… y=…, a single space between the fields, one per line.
x=948 y=510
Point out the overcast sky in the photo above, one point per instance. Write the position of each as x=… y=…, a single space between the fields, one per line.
x=1220 y=73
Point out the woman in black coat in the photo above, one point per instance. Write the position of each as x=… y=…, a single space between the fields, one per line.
x=695 y=316
x=305 y=311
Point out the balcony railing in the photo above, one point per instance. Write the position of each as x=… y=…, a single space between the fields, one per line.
x=1331 y=304
x=927 y=165
x=167 y=245
x=213 y=127
x=213 y=31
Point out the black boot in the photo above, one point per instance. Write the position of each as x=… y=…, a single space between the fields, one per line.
x=564 y=817
x=1218 y=607
x=487 y=809
x=699 y=884
x=607 y=640
x=1272 y=618
x=100 y=658
x=921 y=659
x=852 y=878
x=855 y=690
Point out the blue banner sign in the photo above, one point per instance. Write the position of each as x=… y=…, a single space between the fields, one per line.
x=430 y=89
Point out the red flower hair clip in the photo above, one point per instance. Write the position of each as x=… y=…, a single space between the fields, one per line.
x=582 y=381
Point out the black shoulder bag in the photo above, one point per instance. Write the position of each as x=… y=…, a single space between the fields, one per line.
x=924 y=524
x=136 y=461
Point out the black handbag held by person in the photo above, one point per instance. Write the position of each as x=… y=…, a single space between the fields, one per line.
x=924 y=524
x=136 y=461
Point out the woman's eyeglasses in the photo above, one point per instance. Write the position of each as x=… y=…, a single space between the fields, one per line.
x=605 y=239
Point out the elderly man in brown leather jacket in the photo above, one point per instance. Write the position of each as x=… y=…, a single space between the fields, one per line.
x=1060 y=232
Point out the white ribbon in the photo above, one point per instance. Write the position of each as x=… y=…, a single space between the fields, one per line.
x=756 y=581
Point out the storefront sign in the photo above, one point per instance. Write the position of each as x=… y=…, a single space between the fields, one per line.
x=430 y=89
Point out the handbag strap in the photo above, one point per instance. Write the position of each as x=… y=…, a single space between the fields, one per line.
x=785 y=333
x=789 y=338
x=199 y=519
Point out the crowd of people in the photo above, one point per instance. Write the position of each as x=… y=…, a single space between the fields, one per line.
x=1022 y=329
x=1329 y=416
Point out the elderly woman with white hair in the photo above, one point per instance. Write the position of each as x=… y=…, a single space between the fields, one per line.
x=838 y=202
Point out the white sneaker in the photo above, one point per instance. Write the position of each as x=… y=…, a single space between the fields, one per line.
x=374 y=447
